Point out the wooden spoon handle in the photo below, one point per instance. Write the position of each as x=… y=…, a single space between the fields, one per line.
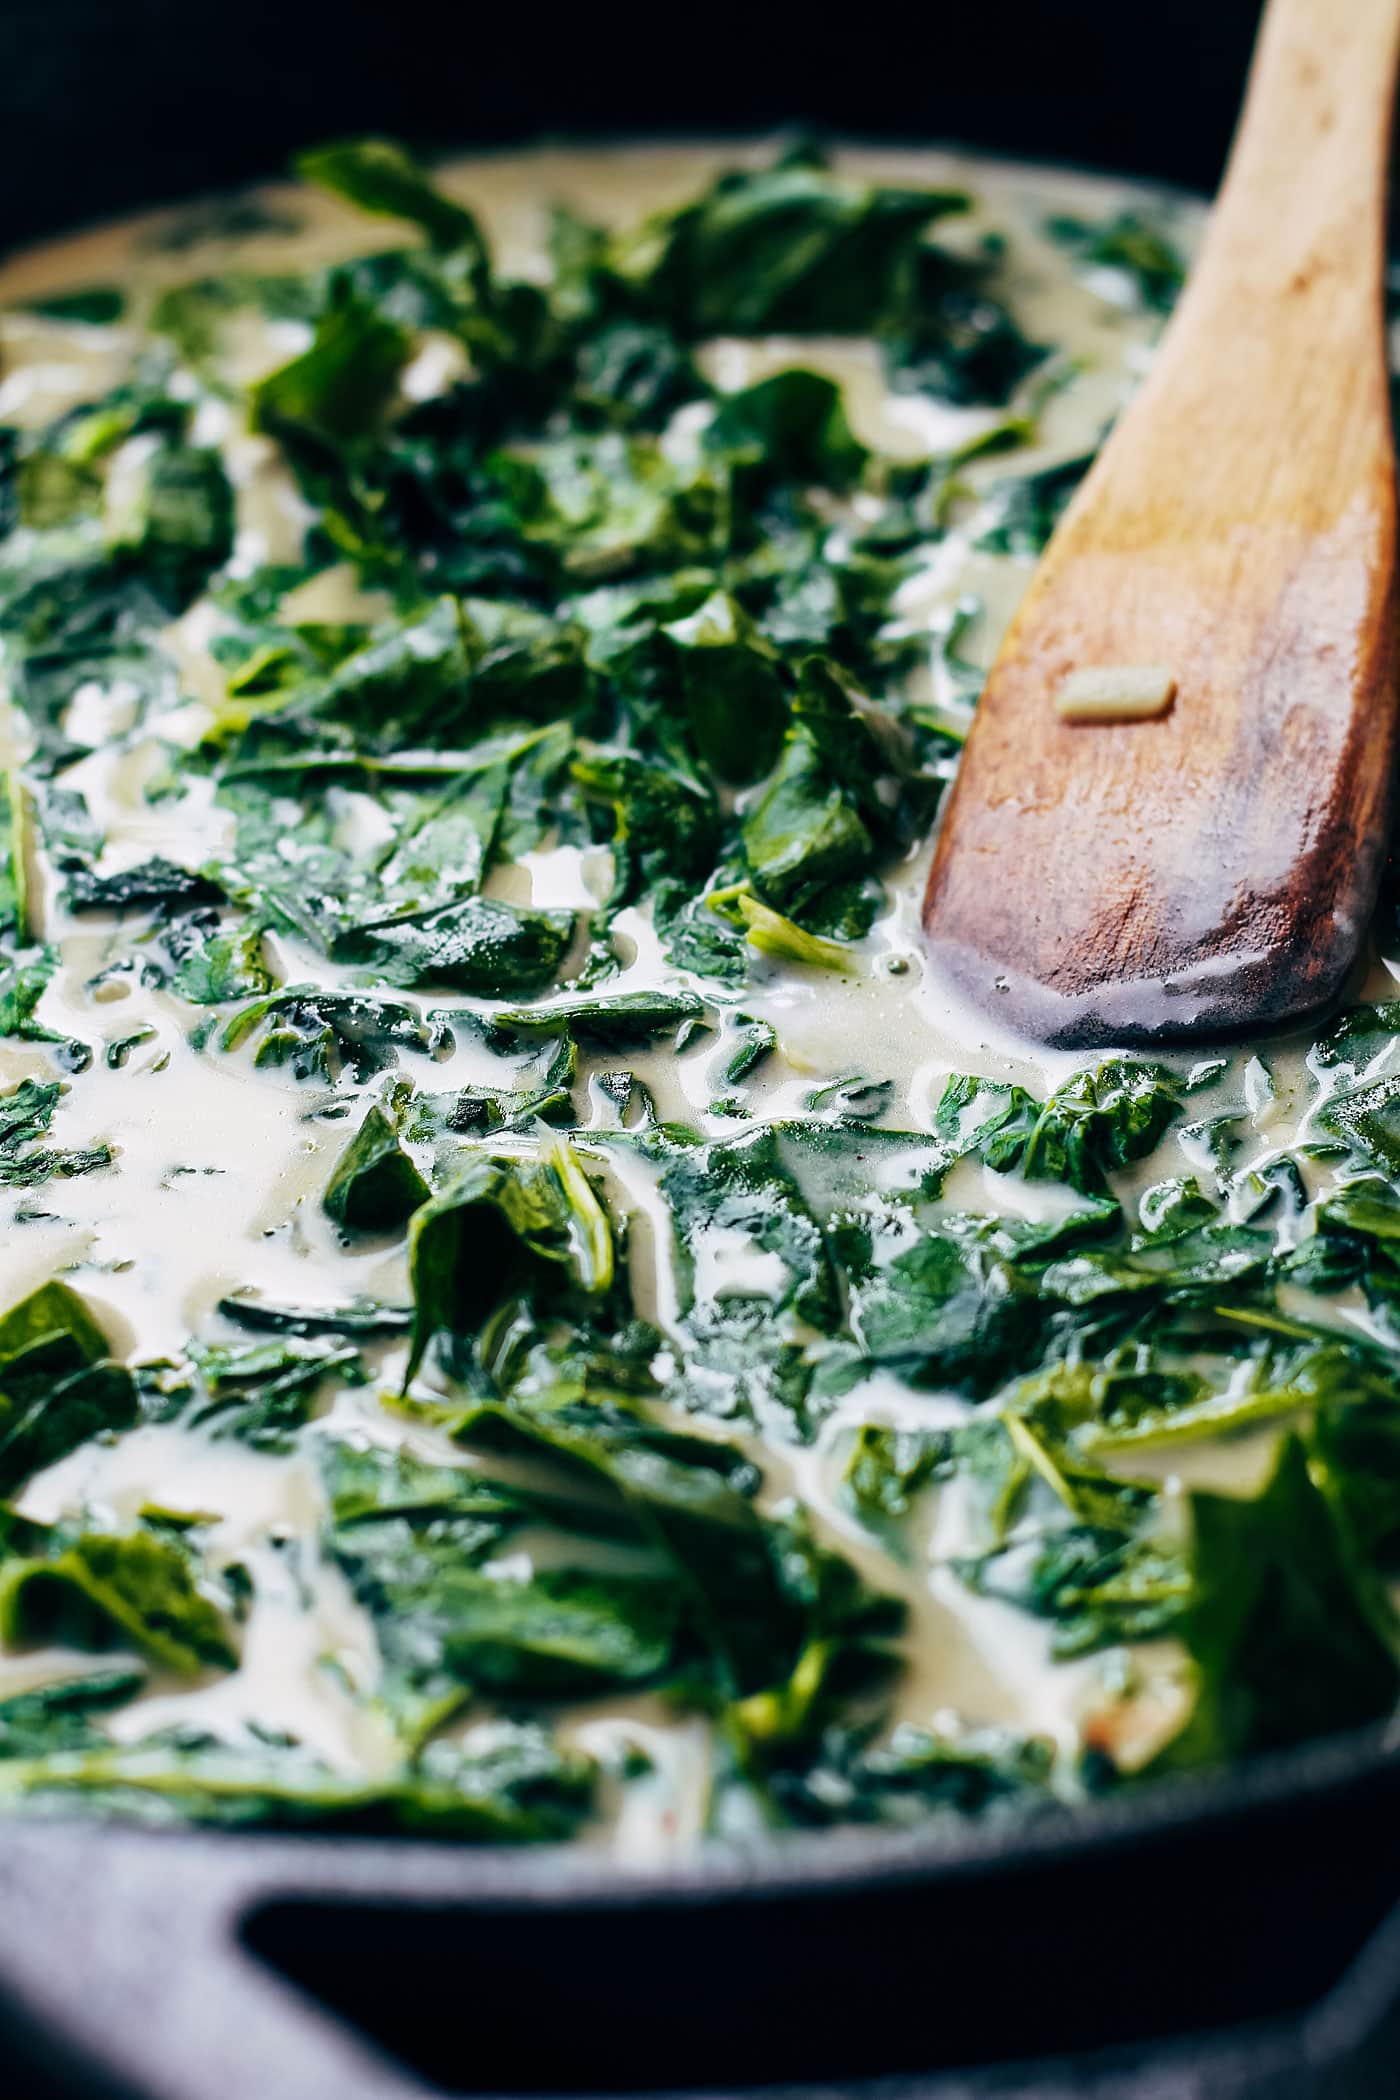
x=1275 y=359
x=1213 y=869
x=1306 y=179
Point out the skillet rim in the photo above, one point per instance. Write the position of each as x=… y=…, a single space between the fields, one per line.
x=266 y=1864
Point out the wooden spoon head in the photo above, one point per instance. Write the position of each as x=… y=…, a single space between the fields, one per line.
x=1212 y=871
x=1207 y=872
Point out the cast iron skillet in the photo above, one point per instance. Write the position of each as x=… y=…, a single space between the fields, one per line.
x=1224 y=1940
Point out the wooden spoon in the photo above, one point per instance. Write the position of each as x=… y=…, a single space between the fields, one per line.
x=1214 y=868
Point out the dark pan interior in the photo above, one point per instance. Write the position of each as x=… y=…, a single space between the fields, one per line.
x=110 y=103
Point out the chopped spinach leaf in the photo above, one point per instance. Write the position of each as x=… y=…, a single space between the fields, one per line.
x=374 y=1185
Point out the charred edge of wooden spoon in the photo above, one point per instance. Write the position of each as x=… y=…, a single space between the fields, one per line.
x=1221 y=997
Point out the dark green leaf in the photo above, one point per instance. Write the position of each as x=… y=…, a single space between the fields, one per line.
x=479 y=944
x=733 y=691
x=94 y=1589
x=95 y=305
x=339 y=389
x=44 y=1415
x=792 y=247
x=374 y=1185
x=502 y=1225
x=151 y=882
x=379 y=176
x=58 y=1716
x=1130 y=242
x=319 y=1033
x=1285 y=1648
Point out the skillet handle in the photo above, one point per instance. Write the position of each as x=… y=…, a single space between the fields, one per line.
x=128 y=1972
x=124 y=1976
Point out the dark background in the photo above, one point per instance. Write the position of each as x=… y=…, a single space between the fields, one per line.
x=106 y=104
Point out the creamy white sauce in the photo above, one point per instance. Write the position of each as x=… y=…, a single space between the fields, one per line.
x=219 y=1166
